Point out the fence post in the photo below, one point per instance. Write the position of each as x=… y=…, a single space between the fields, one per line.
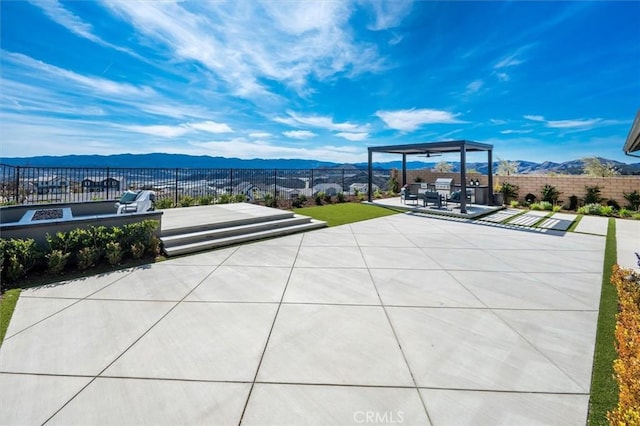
x=17 y=184
x=275 y=184
x=108 y=182
x=175 y=194
x=342 y=180
x=312 y=185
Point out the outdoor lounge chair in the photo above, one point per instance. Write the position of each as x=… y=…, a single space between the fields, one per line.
x=432 y=197
x=410 y=193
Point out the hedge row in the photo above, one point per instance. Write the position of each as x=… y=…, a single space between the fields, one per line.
x=79 y=248
x=627 y=366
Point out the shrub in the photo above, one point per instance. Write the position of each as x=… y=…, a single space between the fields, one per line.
x=239 y=198
x=113 y=252
x=550 y=194
x=377 y=194
x=224 y=199
x=18 y=257
x=627 y=365
x=573 y=202
x=205 y=200
x=508 y=191
x=154 y=245
x=327 y=198
x=394 y=185
x=625 y=212
x=556 y=208
x=270 y=200
x=614 y=204
x=164 y=203
x=607 y=211
x=633 y=198
x=186 y=201
x=635 y=216
x=546 y=205
x=593 y=195
x=535 y=206
x=87 y=257
x=137 y=249
x=318 y=198
x=514 y=204
x=591 y=209
x=299 y=201
x=340 y=197
x=56 y=261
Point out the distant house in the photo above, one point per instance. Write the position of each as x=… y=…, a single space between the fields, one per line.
x=248 y=189
x=362 y=188
x=327 y=188
x=98 y=185
x=49 y=185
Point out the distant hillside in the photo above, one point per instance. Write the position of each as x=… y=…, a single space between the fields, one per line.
x=160 y=160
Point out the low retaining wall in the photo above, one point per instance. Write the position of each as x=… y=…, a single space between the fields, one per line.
x=84 y=216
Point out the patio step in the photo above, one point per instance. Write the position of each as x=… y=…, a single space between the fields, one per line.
x=235 y=233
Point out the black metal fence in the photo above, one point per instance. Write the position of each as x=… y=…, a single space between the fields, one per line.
x=27 y=185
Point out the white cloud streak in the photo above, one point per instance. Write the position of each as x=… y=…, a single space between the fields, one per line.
x=411 y=119
x=317 y=121
x=353 y=136
x=299 y=134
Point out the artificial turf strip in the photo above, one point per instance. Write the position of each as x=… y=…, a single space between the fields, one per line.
x=7 y=305
x=604 y=388
x=340 y=214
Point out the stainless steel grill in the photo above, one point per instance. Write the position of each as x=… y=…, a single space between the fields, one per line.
x=444 y=186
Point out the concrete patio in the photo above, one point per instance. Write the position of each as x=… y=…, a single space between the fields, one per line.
x=398 y=320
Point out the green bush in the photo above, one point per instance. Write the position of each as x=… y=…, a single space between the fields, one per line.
x=623 y=212
x=593 y=208
x=340 y=197
x=508 y=191
x=270 y=200
x=593 y=195
x=186 y=201
x=633 y=198
x=556 y=208
x=56 y=261
x=87 y=257
x=164 y=203
x=318 y=198
x=18 y=257
x=377 y=194
x=550 y=194
x=394 y=185
x=327 y=198
x=137 y=249
x=536 y=206
x=607 y=211
x=113 y=252
x=239 y=198
x=514 y=204
x=224 y=199
x=299 y=201
x=546 y=205
x=205 y=200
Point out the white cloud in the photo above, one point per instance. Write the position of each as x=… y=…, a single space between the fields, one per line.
x=211 y=127
x=159 y=130
x=388 y=14
x=353 y=136
x=474 y=87
x=260 y=135
x=299 y=134
x=317 y=121
x=515 y=132
x=497 y=121
x=580 y=123
x=411 y=119
x=503 y=76
x=289 y=42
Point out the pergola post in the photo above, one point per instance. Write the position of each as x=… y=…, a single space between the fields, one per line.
x=404 y=169
x=463 y=177
x=490 y=177
x=370 y=183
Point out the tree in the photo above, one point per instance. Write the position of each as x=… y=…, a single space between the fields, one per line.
x=443 y=167
x=593 y=166
x=506 y=167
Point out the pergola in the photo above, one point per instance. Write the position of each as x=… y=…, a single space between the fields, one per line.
x=428 y=148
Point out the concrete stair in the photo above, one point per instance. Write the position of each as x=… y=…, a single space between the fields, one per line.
x=190 y=239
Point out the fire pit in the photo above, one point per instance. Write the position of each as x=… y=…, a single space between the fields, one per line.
x=44 y=215
x=47 y=214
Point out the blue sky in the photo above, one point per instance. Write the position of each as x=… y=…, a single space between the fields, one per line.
x=317 y=80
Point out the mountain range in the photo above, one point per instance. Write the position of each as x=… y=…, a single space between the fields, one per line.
x=162 y=160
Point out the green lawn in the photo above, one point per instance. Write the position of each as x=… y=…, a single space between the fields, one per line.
x=7 y=305
x=604 y=389
x=340 y=214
